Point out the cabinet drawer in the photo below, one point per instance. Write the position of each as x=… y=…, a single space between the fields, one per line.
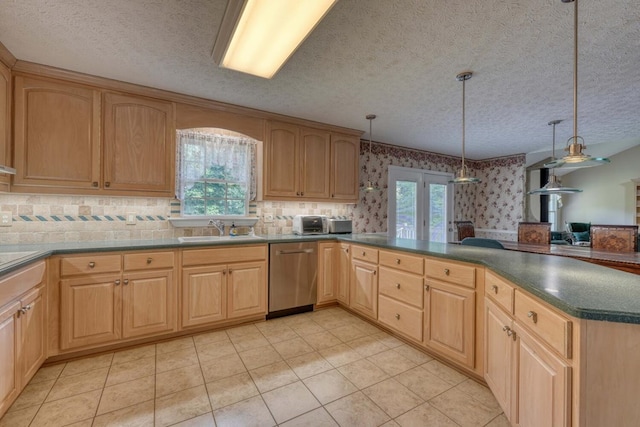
x=148 y=261
x=404 y=262
x=499 y=290
x=550 y=326
x=403 y=318
x=70 y=266
x=224 y=255
x=459 y=274
x=401 y=286
x=364 y=253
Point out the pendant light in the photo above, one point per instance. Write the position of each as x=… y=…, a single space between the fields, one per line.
x=462 y=175
x=369 y=187
x=576 y=158
x=554 y=186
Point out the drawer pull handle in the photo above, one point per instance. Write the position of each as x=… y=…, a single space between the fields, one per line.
x=446 y=271
x=92 y=264
x=533 y=315
x=107 y=184
x=397 y=260
x=126 y=281
x=117 y=282
x=397 y=285
x=149 y=260
x=397 y=316
x=94 y=184
x=494 y=288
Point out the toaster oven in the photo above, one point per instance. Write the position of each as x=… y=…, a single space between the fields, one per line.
x=310 y=224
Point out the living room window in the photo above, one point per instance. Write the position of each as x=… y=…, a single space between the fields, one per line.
x=216 y=172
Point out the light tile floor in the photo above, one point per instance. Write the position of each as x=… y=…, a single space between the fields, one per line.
x=324 y=368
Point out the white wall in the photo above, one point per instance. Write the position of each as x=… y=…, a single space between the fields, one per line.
x=608 y=195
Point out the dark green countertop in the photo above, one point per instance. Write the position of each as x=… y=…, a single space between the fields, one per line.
x=579 y=288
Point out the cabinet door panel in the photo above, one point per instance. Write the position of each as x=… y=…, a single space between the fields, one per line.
x=204 y=295
x=345 y=167
x=56 y=125
x=364 y=288
x=327 y=272
x=498 y=355
x=543 y=390
x=149 y=303
x=90 y=311
x=139 y=141
x=246 y=293
x=450 y=321
x=32 y=334
x=315 y=163
x=344 y=274
x=281 y=158
x=5 y=123
x=9 y=387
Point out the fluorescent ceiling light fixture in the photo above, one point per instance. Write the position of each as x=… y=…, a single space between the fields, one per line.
x=258 y=36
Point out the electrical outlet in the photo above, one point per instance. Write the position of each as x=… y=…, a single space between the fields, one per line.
x=267 y=218
x=131 y=218
x=6 y=219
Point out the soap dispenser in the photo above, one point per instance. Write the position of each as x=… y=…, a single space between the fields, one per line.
x=233 y=231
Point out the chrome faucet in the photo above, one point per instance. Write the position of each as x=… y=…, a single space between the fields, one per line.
x=217 y=224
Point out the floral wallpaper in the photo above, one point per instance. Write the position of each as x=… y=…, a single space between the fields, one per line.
x=495 y=206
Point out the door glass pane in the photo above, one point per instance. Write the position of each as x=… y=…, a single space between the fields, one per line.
x=438 y=213
x=406 y=209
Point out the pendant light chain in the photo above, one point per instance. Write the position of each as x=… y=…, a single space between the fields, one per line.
x=464 y=80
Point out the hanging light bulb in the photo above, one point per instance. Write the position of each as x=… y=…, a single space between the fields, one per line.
x=554 y=186
x=462 y=176
x=370 y=186
x=576 y=158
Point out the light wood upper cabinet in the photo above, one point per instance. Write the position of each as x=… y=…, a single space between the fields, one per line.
x=307 y=163
x=139 y=144
x=282 y=161
x=5 y=123
x=57 y=135
x=345 y=156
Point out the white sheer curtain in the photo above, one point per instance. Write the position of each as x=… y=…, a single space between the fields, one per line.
x=205 y=155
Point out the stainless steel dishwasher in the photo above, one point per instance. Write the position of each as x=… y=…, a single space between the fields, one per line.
x=293 y=277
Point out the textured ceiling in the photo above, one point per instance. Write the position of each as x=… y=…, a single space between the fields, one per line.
x=394 y=58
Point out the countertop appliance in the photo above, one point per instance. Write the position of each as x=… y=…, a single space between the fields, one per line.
x=293 y=277
x=337 y=226
x=310 y=224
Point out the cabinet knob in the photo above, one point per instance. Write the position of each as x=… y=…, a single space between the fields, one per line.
x=149 y=260
x=446 y=271
x=364 y=253
x=347 y=250
x=94 y=184
x=397 y=285
x=397 y=316
x=117 y=282
x=230 y=271
x=332 y=196
x=375 y=272
x=533 y=316
x=224 y=272
x=494 y=288
x=125 y=281
x=397 y=260
x=107 y=184
x=426 y=288
x=302 y=193
x=92 y=264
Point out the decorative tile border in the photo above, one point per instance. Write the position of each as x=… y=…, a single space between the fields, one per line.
x=84 y=218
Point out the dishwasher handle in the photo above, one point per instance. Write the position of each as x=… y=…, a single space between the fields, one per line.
x=294 y=251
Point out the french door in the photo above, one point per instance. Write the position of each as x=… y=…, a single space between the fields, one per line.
x=420 y=204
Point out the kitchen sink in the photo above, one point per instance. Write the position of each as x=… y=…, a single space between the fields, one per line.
x=214 y=239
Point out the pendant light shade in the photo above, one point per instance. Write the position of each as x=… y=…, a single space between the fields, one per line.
x=575 y=145
x=553 y=186
x=462 y=176
x=370 y=186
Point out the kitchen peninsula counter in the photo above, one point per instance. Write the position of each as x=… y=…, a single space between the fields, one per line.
x=580 y=289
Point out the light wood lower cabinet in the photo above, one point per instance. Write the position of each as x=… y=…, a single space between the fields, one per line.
x=140 y=300
x=363 y=295
x=344 y=273
x=22 y=330
x=222 y=291
x=328 y=270
x=450 y=321
x=499 y=351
